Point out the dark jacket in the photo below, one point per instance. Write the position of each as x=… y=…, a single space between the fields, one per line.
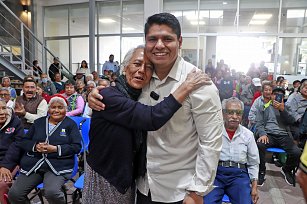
x=65 y=136
x=10 y=133
x=111 y=148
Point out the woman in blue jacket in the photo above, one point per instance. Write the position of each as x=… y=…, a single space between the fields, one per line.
x=49 y=148
x=117 y=149
x=11 y=131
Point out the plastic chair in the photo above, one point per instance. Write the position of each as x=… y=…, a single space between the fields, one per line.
x=84 y=128
x=77 y=194
x=225 y=199
x=41 y=186
x=275 y=150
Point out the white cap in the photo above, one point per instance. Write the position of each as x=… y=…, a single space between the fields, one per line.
x=256 y=82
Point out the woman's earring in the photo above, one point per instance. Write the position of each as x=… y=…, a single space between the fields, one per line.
x=124 y=73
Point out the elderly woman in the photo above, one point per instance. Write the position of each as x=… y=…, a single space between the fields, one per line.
x=11 y=130
x=49 y=148
x=297 y=106
x=117 y=149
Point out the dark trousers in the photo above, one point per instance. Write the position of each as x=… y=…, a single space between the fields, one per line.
x=232 y=181
x=143 y=199
x=25 y=184
x=280 y=141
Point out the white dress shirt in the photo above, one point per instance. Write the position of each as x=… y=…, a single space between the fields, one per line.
x=184 y=153
x=241 y=149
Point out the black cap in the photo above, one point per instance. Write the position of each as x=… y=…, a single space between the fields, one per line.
x=279 y=88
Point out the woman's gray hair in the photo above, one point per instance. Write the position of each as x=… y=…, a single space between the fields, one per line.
x=303 y=84
x=128 y=56
x=5 y=89
x=91 y=82
x=232 y=100
x=57 y=99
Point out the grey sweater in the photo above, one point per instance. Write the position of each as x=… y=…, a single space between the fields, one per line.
x=273 y=121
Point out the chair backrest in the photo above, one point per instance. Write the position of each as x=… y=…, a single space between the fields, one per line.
x=84 y=127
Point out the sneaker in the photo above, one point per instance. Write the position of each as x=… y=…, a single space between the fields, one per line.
x=261 y=178
x=289 y=176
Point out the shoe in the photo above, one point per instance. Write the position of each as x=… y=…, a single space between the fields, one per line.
x=289 y=176
x=261 y=178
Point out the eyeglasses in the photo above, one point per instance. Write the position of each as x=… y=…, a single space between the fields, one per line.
x=233 y=111
x=3 y=95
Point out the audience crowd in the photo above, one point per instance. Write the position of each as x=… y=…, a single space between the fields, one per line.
x=270 y=113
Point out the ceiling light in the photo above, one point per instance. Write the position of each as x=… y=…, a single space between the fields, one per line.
x=198 y=22
x=262 y=16
x=296 y=13
x=224 y=3
x=257 y=22
x=191 y=15
x=128 y=29
x=106 y=20
x=177 y=13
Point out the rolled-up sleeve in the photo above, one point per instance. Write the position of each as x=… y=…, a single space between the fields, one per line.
x=207 y=115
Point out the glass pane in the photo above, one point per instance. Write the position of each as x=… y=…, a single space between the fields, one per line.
x=109 y=17
x=189 y=50
x=260 y=17
x=237 y=53
x=79 y=19
x=80 y=51
x=56 y=21
x=133 y=16
x=217 y=16
x=107 y=46
x=186 y=13
x=294 y=16
x=293 y=56
x=60 y=48
x=129 y=43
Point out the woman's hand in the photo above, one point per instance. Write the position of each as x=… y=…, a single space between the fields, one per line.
x=196 y=79
x=94 y=99
x=5 y=175
x=46 y=148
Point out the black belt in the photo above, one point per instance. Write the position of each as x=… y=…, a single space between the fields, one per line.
x=232 y=164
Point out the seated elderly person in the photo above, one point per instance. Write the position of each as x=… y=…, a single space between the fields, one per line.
x=75 y=101
x=11 y=130
x=5 y=94
x=239 y=159
x=297 y=107
x=49 y=148
x=272 y=121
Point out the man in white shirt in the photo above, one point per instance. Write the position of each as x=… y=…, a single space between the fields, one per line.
x=239 y=160
x=110 y=65
x=182 y=156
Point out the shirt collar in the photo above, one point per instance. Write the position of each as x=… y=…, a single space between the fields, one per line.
x=237 y=133
x=175 y=72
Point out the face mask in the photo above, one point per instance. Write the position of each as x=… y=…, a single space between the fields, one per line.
x=44 y=80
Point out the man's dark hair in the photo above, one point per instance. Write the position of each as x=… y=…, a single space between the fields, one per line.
x=296 y=81
x=163 y=19
x=70 y=82
x=280 y=78
x=28 y=79
x=35 y=62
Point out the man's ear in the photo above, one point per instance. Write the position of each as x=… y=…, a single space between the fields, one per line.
x=180 y=42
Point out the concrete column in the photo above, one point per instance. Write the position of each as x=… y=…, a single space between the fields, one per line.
x=92 y=34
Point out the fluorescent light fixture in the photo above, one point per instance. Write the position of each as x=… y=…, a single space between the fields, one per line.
x=257 y=22
x=295 y=13
x=177 y=13
x=128 y=29
x=262 y=16
x=106 y=20
x=211 y=14
x=196 y=22
x=224 y=3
